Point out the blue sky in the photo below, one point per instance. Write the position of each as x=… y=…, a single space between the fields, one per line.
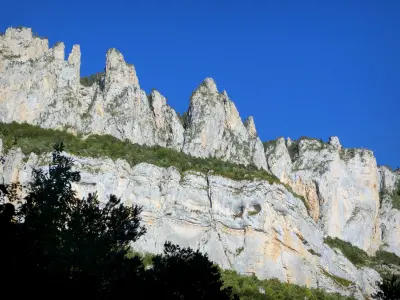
x=301 y=68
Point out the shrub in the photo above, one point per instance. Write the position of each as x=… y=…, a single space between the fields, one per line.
x=339 y=280
x=94 y=78
x=360 y=258
x=183 y=118
x=385 y=257
x=356 y=255
x=395 y=197
x=250 y=287
x=271 y=143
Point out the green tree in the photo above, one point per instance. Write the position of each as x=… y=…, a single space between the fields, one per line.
x=389 y=288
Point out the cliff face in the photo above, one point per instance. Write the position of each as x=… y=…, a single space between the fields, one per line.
x=215 y=129
x=251 y=226
x=341 y=186
x=389 y=216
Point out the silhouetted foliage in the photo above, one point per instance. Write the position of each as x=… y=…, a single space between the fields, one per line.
x=182 y=273
x=389 y=288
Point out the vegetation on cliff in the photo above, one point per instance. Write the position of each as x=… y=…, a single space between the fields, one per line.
x=38 y=140
x=34 y=139
x=381 y=262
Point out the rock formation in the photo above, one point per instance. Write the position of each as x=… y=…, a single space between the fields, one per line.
x=215 y=129
x=251 y=226
x=389 y=216
x=39 y=87
x=340 y=185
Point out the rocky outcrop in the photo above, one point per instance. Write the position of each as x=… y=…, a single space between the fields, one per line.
x=39 y=87
x=389 y=215
x=215 y=129
x=251 y=226
x=19 y=44
x=340 y=185
x=169 y=130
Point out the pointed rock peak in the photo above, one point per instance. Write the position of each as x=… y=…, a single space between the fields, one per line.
x=288 y=142
x=114 y=59
x=225 y=94
x=74 y=57
x=334 y=141
x=156 y=99
x=209 y=85
x=250 y=126
x=155 y=93
x=59 y=51
x=118 y=71
x=21 y=45
x=281 y=140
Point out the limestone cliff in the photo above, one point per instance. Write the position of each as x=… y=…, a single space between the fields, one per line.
x=340 y=185
x=390 y=211
x=251 y=226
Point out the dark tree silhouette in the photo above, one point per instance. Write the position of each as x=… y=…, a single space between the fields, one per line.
x=55 y=244
x=182 y=273
x=389 y=288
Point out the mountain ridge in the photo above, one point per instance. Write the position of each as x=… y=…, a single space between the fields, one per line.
x=345 y=193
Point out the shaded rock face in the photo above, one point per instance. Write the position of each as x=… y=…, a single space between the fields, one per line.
x=340 y=185
x=215 y=129
x=250 y=226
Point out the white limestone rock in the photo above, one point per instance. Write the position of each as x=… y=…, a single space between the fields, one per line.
x=19 y=44
x=280 y=163
x=389 y=216
x=251 y=127
x=388 y=180
x=340 y=185
x=39 y=87
x=215 y=129
x=168 y=128
x=334 y=141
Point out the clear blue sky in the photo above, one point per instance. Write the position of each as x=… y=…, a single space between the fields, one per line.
x=313 y=68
